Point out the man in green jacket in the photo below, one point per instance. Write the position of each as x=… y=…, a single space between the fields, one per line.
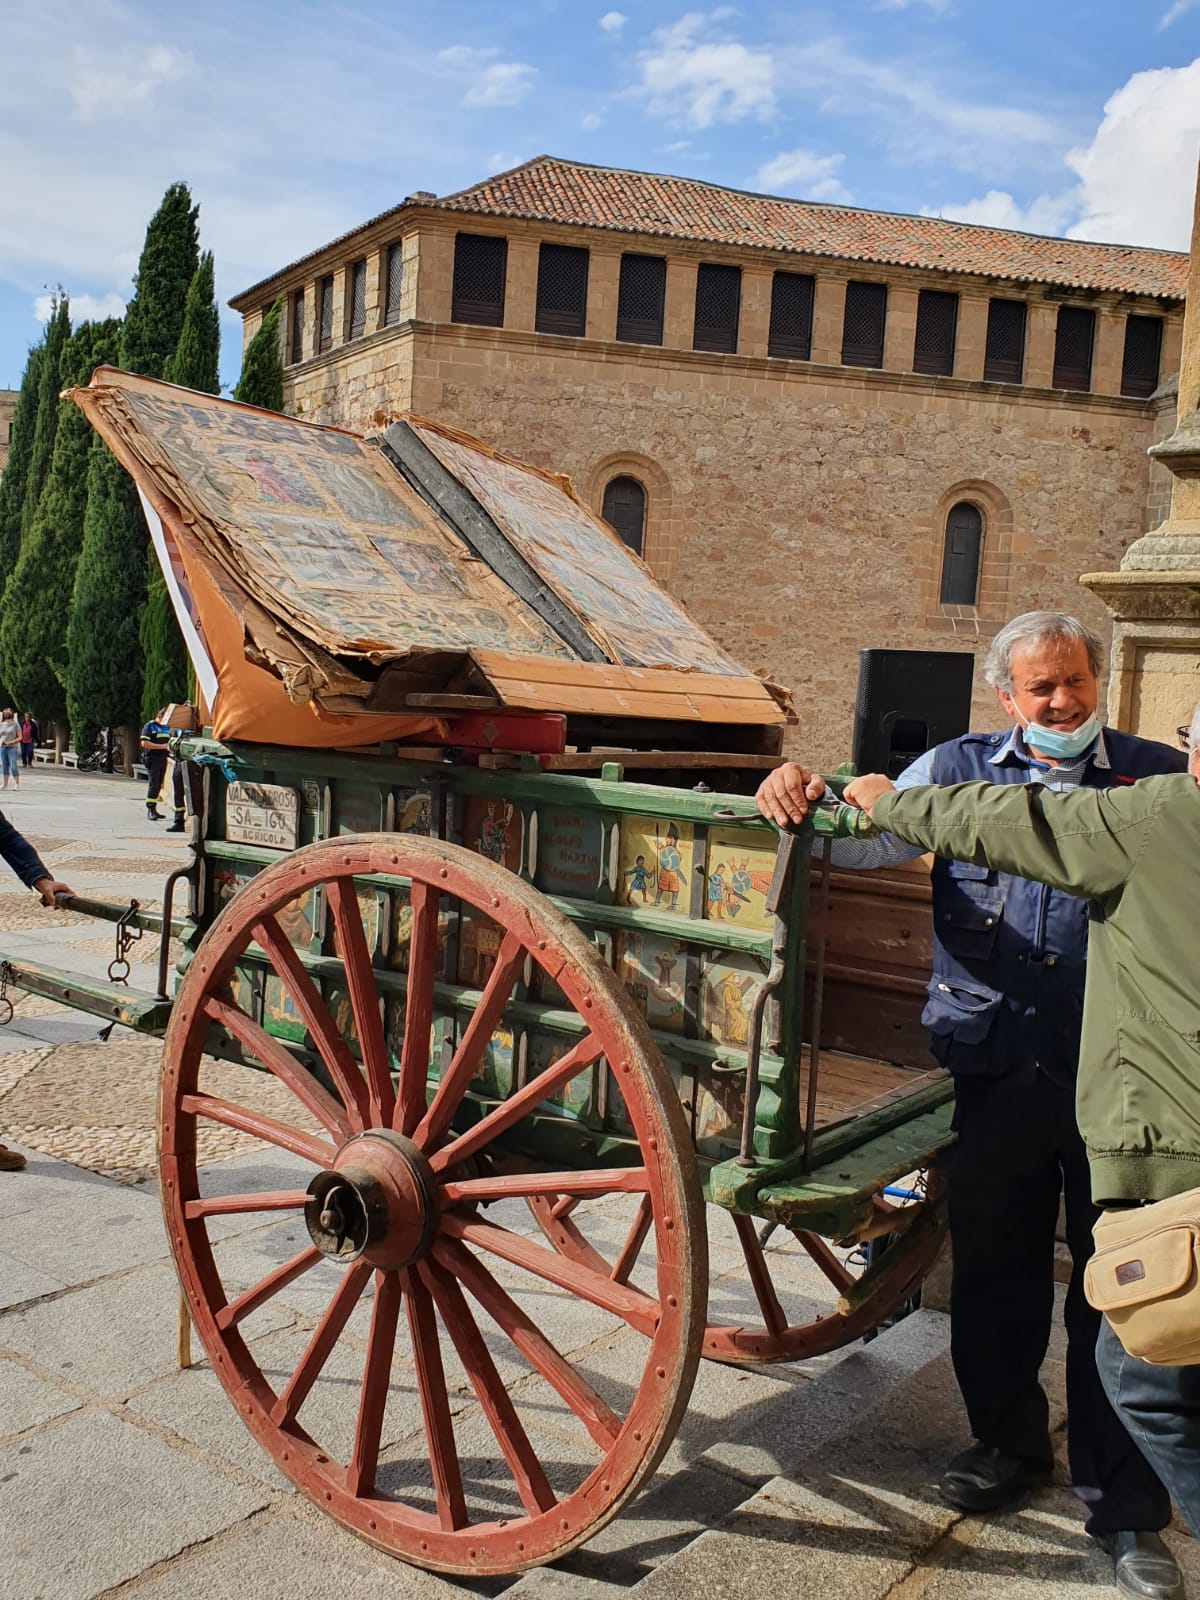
x=1134 y=853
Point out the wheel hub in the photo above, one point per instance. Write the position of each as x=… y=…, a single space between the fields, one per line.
x=376 y=1202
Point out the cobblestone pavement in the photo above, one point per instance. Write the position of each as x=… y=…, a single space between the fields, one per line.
x=123 y=1478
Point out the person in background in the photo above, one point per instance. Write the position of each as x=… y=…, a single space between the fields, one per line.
x=1004 y=1012
x=29 y=737
x=154 y=758
x=10 y=748
x=1135 y=853
x=26 y=863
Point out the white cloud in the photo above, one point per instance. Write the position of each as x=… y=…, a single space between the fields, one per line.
x=84 y=307
x=1175 y=12
x=693 y=74
x=491 y=82
x=938 y=7
x=591 y=121
x=120 y=83
x=800 y=172
x=613 y=21
x=1135 y=180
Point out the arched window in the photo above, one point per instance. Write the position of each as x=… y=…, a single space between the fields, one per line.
x=960 y=557
x=624 y=510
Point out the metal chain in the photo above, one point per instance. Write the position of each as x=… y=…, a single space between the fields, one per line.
x=126 y=937
x=6 y=1006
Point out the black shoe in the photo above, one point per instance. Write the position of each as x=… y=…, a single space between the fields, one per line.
x=152 y=815
x=176 y=827
x=984 y=1479
x=1143 y=1565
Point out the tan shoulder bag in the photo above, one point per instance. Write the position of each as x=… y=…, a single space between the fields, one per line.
x=1145 y=1278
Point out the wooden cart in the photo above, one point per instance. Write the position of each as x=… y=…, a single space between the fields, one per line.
x=480 y=988
x=521 y=1022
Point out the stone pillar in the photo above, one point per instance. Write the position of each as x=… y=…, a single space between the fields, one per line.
x=1108 y=352
x=604 y=284
x=829 y=312
x=970 y=342
x=754 y=320
x=900 y=329
x=1155 y=597
x=434 y=275
x=1039 y=343
x=679 y=312
x=520 y=284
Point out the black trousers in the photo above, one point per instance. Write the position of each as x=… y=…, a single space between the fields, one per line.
x=1018 y=1149
x=155 y=763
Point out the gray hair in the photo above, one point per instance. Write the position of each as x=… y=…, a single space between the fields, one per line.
x=1037 y=627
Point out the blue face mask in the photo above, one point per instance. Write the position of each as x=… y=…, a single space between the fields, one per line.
x=1062 y=746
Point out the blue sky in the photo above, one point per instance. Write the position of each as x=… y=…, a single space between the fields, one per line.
x=293 y=121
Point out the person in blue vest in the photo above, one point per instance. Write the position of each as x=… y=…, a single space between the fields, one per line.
x=1004 y=1011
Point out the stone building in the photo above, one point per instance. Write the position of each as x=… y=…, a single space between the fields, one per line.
x=8 y=404
x=824 y=428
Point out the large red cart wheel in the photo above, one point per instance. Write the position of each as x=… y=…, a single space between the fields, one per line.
x=398 y=1182
x=865 y=1287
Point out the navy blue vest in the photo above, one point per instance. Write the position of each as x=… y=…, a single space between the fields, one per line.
x=1010 y=955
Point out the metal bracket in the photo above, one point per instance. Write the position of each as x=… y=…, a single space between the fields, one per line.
x=127 y=936
x=6 y=1006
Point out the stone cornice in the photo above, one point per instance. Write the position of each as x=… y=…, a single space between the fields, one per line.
x=1147 y=595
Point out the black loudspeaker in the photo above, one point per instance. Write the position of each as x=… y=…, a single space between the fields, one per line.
x=908 y=701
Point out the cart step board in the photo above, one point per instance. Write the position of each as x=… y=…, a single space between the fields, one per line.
x=133 y=1008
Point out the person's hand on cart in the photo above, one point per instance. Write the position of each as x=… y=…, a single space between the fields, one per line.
x=48 y=887
x=863 y=792
x=784 y=795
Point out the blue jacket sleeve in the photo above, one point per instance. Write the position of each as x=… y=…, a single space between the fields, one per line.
x=20 y=854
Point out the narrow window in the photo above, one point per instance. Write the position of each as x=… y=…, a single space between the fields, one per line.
x=296 y=326
x=562 y=290
x=790 y=335
x=480 y=264
x=625 y=511
x=640 y=299
x=937 y=320
x=393 y=282
x=862 y=327
x=325 y=304
x=718 y=293
x=358 y=299
x=960 y=555
x=1004 y=353
x=1073 y=348
x=1143 y=348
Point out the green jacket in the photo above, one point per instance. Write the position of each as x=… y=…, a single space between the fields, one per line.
x=1135 y=854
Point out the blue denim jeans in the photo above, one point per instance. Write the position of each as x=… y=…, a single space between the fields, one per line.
x=10 y=761
x=1160 y=1406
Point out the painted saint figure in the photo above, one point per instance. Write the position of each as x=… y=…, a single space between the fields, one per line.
x=639 y=880
x=669 y=862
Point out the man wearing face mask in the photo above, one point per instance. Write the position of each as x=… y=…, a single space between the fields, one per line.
x=1004 y=1012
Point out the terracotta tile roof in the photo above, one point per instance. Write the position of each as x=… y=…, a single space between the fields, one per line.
x=548 y=189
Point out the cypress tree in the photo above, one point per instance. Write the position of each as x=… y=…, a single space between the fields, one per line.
x=261 y=382
x=33 y=619
x=170 y=256
x=16 y=475
x=58 y=331
x=195 y=365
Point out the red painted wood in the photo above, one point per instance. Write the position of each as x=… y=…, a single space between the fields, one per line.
x=518 y=1105
x=838 y=1275
x=238 y=1310
x=224 y=1204
x=580 y=1185
x=467 y=1058
x=418 y=1008
x=320 y=1346
x=532 y=732
x=531 y=1481
x=364 y=1000
x=260 y=1125
x=634 y=1240
x=272 y=1055
x=431 y=1385
x=600 y=1420
x=760 y=1277
x=335 y=1055
x=372 y=1404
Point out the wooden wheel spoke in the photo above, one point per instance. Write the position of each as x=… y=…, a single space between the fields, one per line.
x=634 y=1240
x=343 y=1068
x=483 y=1023
x=237 y=1310
x=597 y=1416
x=418 y=1008
x=532 y=1484
x=221 y=1205
x=260 y=1125
x=577 y=1185
x=431 y=1384
x=372 y=1403
x=364 y=1000
x=760 y=1274
x=517 y=1105
x=829 y=1264
x=253 y=1039
x=324 y=1336
x=631 y=1305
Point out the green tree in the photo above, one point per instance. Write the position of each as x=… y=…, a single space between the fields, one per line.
x=166 y=267
x=16 y=474
x=33 y=618
x=261 y=382
x=58 y=331
x=196 y=360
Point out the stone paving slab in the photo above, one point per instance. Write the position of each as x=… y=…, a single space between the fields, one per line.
x=126 y=1499
x=29 y=1400
x=119 y=1228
